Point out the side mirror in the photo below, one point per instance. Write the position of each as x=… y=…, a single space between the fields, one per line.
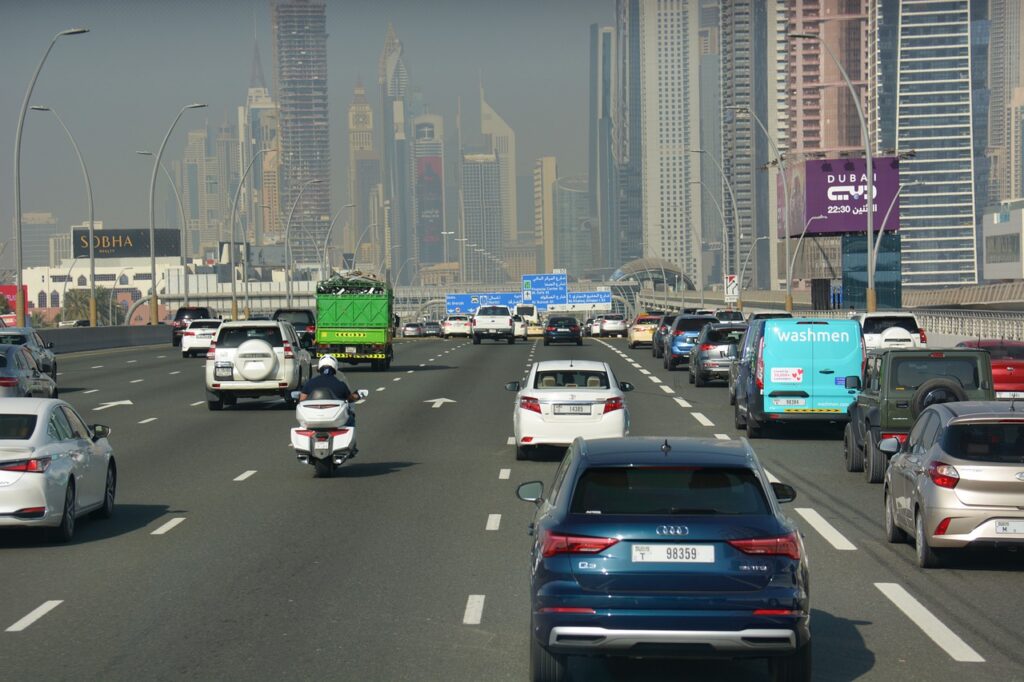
x=889 y=446
x=99 y=431
x=626 y=387
x=512 y=386
x=531 y=492
x=783 y=493
x=49 y=344
x=852 y=383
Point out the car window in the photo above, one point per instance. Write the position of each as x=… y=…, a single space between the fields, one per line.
x=869 y=373
x=556 y=484
x=302 y=318
x=876 y=374
x=571 y=378
x=931 y=431
x=668 y=490
x=17 y=426
x=877 y=325
x=59 y=429
x=724 y=336
x=613 y=317
x=13 y=339
x=692 y=324
x=39 y=341
x=562 y=322
x=204 y=324
x=914 y=439
x=233 y=337
x=493 y=310
x=909 y=373
x=668 y=320
x=986 y=442
x=192 y=313
x=646 y=321
x=28 y=358
x=457 y=318
x=1006 y=352
x=78 y=427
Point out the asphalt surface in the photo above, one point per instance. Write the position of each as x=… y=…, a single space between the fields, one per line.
x=372 y=574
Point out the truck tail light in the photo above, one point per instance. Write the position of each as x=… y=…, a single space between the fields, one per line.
x=943 y=475
x=924 y=337
x=529 y=404
x=612 y=404
x=556 y=543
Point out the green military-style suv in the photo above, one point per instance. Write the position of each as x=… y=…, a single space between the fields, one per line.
x=898 y=384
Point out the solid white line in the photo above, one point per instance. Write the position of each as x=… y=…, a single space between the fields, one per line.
x=96 y=367
x=176 y=372
x=947 y=640
x=645 y=372
x=771 y=477
x=168 y=526
x=722 y=436
x=666 y=389
x=197 y=403
x=825 y=529
x=146 y=421
x=503 y=474
x=474 y=609
x=136 y=381
x=91 y=390
x=683 y=403
x=35 y=615
x=243 y=476
x=493 y=522
x=654 y=379
x=511 y=440
x=380 y=389
x=704 y=421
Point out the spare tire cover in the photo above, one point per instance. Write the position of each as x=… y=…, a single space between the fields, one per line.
x=896 y=336
x=255 y=360
x=935 y=391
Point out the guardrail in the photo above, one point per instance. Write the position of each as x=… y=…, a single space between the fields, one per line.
x=75 y=339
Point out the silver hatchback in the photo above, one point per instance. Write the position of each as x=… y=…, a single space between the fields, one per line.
x=714 y=352
x=20 y=376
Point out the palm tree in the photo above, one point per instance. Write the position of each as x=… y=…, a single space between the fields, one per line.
x=76 y=306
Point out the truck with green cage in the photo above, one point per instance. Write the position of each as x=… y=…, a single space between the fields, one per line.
x=355 y=320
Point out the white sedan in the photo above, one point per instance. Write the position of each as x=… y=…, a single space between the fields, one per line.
x=564 y=399
x=53 y=468
x=196 y=338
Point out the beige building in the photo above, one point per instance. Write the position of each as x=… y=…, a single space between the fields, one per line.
x=363 y=169
x=1005 y=79
x=545 y=174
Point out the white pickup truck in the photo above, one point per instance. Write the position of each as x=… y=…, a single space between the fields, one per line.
x=492 y=322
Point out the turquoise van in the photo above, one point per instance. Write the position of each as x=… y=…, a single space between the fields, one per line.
x=798 y=372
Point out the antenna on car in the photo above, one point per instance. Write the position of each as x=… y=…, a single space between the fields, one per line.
x=666 y=448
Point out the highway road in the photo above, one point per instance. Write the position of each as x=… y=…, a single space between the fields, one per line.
x=227 y=560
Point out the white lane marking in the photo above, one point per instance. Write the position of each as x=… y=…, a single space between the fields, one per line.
x=96 y=367
x=91 y=390
x=947 y=640
x=197 y=403
x=666 y=389
x=160 y=357
x=825 y=529
x=722 y=436
x=654 y=379
x=431 y=360
x=169 y=525
x=504 y=474
x=380 y=389
x=397 y=379
x=60 y=374
x=704 y=421
x=410 y=371
x=511 y=440
x=175 y=372
x=35 y=615
x=635 y=364
x=422 y=365
x=474 y=609
x=132 y=361
x=682 y=403
x=771 y=477
x=146 y=421
x=245 y=475
x=493 y=522
x=136 y=381
x=645 y=372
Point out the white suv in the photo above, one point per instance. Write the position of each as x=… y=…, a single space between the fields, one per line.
x=455 y=325
x=613 y=325
x=891 y=330
x=254 y=358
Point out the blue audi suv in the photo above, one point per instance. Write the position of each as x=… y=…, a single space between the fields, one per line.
x=677 y=547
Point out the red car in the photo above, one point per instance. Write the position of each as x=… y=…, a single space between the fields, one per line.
x=1007 y=365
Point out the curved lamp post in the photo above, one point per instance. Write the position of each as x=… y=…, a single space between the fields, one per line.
x=735 y=212
x=92 y=214
x=18 y=252
x=184 y=224
x=327 y=237
x=743 y=270
x=288 y=239
x=360 y=241
x=152 y=211
x=792 y=263
x=231 y=222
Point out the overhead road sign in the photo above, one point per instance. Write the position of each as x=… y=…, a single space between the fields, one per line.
x=468 y=303
x=544 y=290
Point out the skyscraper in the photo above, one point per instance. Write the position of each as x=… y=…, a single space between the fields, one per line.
x=300 y=85
x=602 y=185
x=363 y=170
x=483 y=224
x=393 y=80
x=502 y=141
x=1006 y=80
x=429 y=188
x=545 y=174
x=226 y=151
x=199 y=194
x=711 y=140
x=574 y=227
x=257 y=129
x=628 y=139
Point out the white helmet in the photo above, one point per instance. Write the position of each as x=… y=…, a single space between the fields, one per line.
x=327 y=361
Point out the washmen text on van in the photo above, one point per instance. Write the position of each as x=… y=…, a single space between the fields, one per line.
x=805 y=335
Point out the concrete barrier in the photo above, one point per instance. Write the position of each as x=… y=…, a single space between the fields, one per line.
x=74 y=339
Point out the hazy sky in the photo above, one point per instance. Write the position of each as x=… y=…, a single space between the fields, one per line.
x=119 y=86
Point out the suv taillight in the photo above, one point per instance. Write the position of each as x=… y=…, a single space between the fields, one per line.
x=943 y=475
x=212 y=352
x=901 y=437
x=924 y=337
x=530 y=404
x=785 y=545
x=707 y=346
x=289 y=354
x=556 y=543
x=759 y=374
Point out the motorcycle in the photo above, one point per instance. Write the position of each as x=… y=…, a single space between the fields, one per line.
x=326 y=436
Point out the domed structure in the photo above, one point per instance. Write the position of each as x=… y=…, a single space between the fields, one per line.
x=655 y=270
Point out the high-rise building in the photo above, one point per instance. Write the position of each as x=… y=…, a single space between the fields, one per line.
x=300 y=85
x=937 y=216
x=628 y=139
x=1006 y=80
x=670 y=124
x=575 y=228
x=393 y=80
x=882 y=66
x=37 y=228
x=227 y=153
x=199 y=194
x=363 y=169
x=711 y=141
x=602 y=185
x=429 y=189
x=545 y=174
x=257 y=130
x=502 y=141
x=482 y=220
x=270 y=202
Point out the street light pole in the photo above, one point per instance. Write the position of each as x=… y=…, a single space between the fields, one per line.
x=184 y=224
x=870 y=296
x=231 y=223
x=92 y=214
x=360 y=241
x=152 y=211
x=288 y=240
x=739 y=302
x=735 y=211
x=885 y=220
x=327 y=238
x=792 y=263
x=19 y=299
x=725 y=236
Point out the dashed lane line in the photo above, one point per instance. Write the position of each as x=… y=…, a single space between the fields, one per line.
x=91 y=390
x=160 y=357
x=175 y=372
x=667 y=389
x=147 y=420
x=936 y=630
x=96 y=367
x=35 y=614
x=771 y=477
x=511 y=440
x=167 y=527
x=654 y=379
x=422 y=365
x=493 y=522
x=704 y=421
x=645 y=372
x=397 y=379
x=136 y=381
x=410 y=371
x=380 y=388
x=504 y=474
x=131 y=362
x=825 y=529
x=722 y=436
x=197 y=403
x=474 y=610
x=244 y=475
x=683 y=403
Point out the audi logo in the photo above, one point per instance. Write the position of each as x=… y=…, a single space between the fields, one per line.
x=672 y=530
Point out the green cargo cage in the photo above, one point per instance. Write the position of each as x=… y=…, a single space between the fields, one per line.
x=340 y=311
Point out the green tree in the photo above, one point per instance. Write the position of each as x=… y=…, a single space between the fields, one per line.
x=36 y=320
x=4 y=307
x=76 y=306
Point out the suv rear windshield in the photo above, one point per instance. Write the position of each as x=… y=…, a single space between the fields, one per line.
x=571 y=378
x=296 y=317
x=998 y=443
x=457 y=318
x=1005 y=352
x=646 y=321
x=17 y=426
x=493 y=310
x=877 y=325
x=725 y=335
x=668 y=490
x=562 y=322
x=233 y=337
x=729 y=315
x=192 y=313
x=693 y=324
x=909 y=373
x=204 y=324
x=668 y=320
x=611 y=317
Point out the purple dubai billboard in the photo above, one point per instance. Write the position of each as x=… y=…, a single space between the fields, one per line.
x=835 y=190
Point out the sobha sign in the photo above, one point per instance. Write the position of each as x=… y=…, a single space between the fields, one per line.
x=126 y=243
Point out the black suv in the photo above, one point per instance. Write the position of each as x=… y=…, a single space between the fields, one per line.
x=303 y=319
x=562 y=329
x=185 y=315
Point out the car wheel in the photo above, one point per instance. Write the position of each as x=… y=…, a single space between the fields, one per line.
x=323 y=468
x=544 y=665
x=53 y=372
x=854 y=460
x=738 y=419
x=875 y=461
x=754 y=430
x=476 y=340
x=698 y=379
x=109 y=491
x=215 y=405
x=66 y=530
x=175 y=342
x=579 y=342
x=926 y=556
x=546 y=342
x=631 y=345
x=522 y=453
x=893 y=533
x=794 y=667
x=511 y=340
x=732 y=396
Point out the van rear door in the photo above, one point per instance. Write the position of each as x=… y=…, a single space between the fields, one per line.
x=786 y=359
x=806 y=363
x=836 y=354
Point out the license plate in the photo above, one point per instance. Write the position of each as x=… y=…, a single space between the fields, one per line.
x=321 y=445
x=789 y=402
x=572 y=409
x=350 y=349
x=562 y=330
x=1010 y=527
x=1009 y=394
x=222 y=373
x=676 y=554
x=204 y=336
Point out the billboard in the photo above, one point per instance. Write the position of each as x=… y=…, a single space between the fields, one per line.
x=9 y=292
x=109 y=243
x=430 y=208
x=835 y=189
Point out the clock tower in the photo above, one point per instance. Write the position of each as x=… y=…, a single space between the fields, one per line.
x=363 y=177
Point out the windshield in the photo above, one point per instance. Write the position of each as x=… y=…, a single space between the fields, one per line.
x=1005 y=352
x=297 y=318
x=909 y=373
x=729 y=315
x=997 y=443
x=646 y=322
x=494 y=310
x=571 y=378
x=204 y=324
x=725 y=336
x=668 y=490
x=693 y=324
x=17 y=426
x=233 y=337
x=877 y=325
x=563 y=322
x=192 y=313
x=457 y=318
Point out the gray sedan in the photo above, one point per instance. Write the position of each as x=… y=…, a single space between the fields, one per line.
x=41 y=350
x=20 y=375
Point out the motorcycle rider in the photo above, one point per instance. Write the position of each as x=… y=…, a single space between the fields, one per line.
x=326 y=378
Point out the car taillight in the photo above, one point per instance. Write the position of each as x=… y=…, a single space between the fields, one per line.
x=612 y=404
x=310 y=328
x=36 y=466
x=943 y=526
x=574 y=328
x=924 y=337
x=289 y=354
x=8 y=382
x=556 y=543
x=212 y=352
x=305 y=433
x=785 y=545
x=943 y=475
x=511 y=323
x=531 y=404
x=759 y=374
x=189 y=334
x=678 y=332
x=550 y=329
x=472 y=322
x=901 y=437
x=339 y=432
x=707 y=346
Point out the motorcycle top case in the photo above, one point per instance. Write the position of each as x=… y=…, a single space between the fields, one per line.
x=322 y=414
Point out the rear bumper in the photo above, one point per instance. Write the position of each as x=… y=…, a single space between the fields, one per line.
x=972 y=527
x=613 y=425
x=760 y=641
x=494 y=333
x=562 y=338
